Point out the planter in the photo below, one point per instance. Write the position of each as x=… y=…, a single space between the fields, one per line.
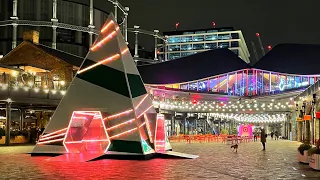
x=314 y=161
x=303 y=158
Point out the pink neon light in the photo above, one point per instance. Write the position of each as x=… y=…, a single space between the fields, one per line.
x=118 y=125
x=94 y=140
x=87 y=114
x=119 y=114
x=148 y=127
x=124 y=51
x=50 y=141
x=104 y=40
x=93 y=131
x=126 y=132
x=160 y=136
x=55 y=132
x=51 y=137
x=107 y=26
x=141 y=101
x=142 y=124
x=144 y=111
x=114 y=57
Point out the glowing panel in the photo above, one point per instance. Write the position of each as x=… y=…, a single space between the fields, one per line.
x=56 y=132
x=107 y=26
x=245 y=130
x=86 y=133
x=148 y=127
x=114 y=57
x=104 y=40
x=118 y=114
x=160 y=137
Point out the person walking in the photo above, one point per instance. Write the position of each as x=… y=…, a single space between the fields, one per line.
x=272 y=135
x=263 y=139
x=276 y=134
x=255 y=136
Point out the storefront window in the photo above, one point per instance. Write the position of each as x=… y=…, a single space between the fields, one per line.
x=183 y=54
x=213 y=85
x=202 y=86
x=198 y=46
x=235 y=36
x=193 y=86
x=223 y=44
x=184 y=86
x=173 y=55
x=186 y=47
x=37 y=81
x=186 y=39
x=234 y=44
x=211 y=45
x=174 y=48
x=198 y=38
x=211 y=37
x=222 y=87
x=174 y=40
x=224 y=36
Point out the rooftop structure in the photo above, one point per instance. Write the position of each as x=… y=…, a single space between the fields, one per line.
x=188 y=42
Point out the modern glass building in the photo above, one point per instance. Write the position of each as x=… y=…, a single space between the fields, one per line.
x=185 y=43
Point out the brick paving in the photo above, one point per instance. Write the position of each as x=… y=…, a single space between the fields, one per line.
x=216 y=161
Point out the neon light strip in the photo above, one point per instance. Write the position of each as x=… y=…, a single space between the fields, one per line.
x=54 y=136
x=64 y=140
x=124 y=51
x=123 y=133
x=141 y=101
x=118 y=125
x=46 y=142
x=107 y=26
x=148 y=127
x=100 y=62
x=119 y=114
x=94 y=140
x=87 y=114
x=142 y=124
x=104 y=40
x=61 y=130
x=144 y=111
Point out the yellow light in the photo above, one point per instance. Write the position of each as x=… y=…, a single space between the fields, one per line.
x=14 y=73
x=62 y=83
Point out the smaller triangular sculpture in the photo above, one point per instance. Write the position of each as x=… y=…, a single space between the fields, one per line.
x=106 y=110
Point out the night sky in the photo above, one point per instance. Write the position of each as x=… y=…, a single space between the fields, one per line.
x=278 y=21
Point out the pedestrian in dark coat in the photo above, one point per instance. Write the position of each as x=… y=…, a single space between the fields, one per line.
x=263 y=138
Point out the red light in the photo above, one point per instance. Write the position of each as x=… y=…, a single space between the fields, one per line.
x=194 y=101
x=177 y=25
x=160 y=137
x=257 y=34
x=213 y=24
x=269 y=47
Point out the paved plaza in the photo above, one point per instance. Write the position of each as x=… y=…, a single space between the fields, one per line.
x=216 y=161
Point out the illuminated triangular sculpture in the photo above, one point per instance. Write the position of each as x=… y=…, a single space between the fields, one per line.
x=106 y=110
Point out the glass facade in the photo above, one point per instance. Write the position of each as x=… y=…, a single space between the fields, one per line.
x=248 y=82
x=200 y=41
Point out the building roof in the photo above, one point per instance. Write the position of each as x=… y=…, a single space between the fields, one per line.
x=194 y=67
x=66 y=57
x=302 y=59
x=180 y=32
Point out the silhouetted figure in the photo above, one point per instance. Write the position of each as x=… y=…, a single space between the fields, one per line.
x=263 y=139
x=272 y=135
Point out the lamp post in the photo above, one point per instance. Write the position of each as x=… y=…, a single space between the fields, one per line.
x=136 y=54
